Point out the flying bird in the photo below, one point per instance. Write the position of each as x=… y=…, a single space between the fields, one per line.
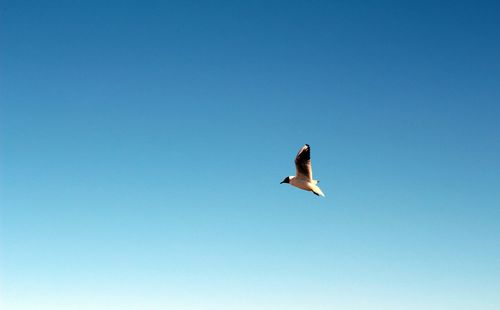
x=303 y=178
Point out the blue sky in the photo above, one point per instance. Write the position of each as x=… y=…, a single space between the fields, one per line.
x=143 y=142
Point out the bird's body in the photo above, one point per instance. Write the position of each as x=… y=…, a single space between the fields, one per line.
x=307 y=185
x=303 y=178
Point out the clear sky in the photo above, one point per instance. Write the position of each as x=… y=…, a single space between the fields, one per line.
x=143 y=142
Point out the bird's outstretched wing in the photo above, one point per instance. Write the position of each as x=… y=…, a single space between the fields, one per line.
x=303 y=163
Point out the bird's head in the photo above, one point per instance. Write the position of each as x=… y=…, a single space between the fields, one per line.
x=285 y=180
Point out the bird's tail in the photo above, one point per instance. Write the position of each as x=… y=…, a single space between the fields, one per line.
x=318 y=191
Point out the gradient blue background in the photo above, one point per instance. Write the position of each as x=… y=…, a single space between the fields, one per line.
x=143 y=143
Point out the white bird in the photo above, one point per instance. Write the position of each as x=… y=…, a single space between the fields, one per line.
x=303 y=178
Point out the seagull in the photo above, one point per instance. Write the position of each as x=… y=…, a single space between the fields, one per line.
x=303 y=178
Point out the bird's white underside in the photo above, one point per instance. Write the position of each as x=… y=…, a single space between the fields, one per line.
x=307 y=185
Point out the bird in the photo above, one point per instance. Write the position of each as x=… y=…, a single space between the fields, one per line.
x=303 y=178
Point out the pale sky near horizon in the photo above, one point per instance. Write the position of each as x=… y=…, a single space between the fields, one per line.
x=143 y=143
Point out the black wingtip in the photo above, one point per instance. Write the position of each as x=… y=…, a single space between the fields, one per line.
x=307 y=145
